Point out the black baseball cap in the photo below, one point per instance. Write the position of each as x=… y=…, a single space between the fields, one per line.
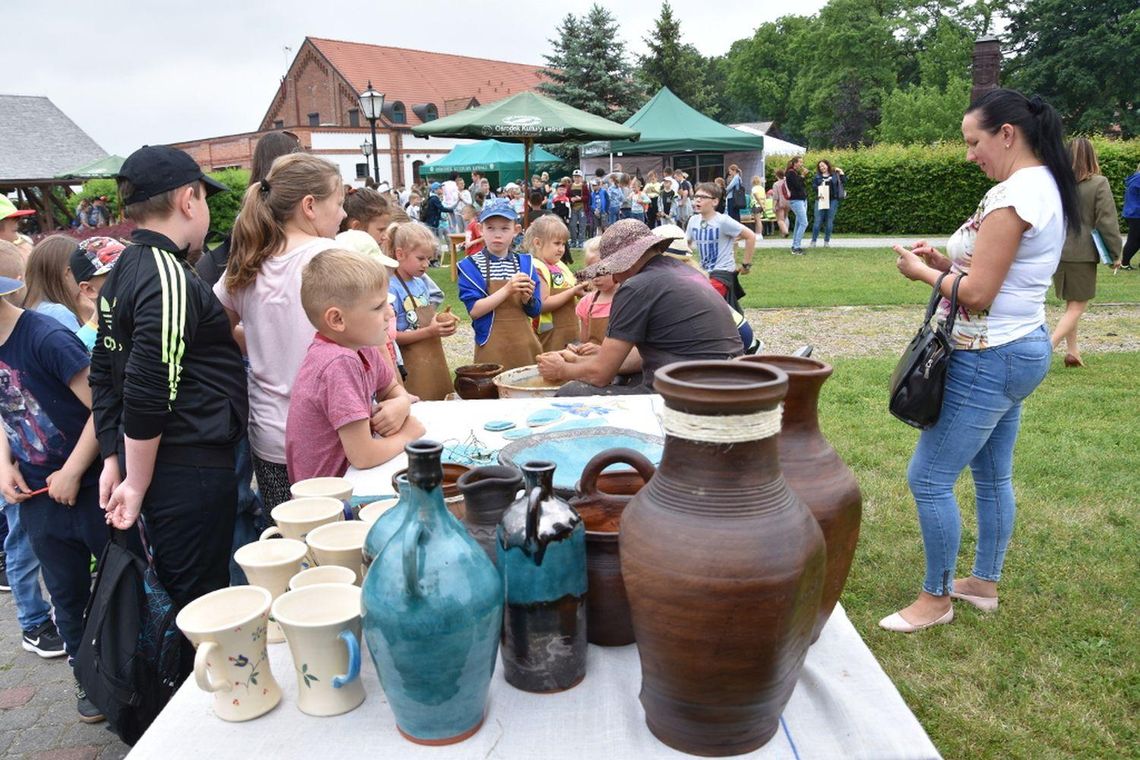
x=154 y=169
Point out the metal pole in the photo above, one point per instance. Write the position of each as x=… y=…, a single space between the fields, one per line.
x=375 y=153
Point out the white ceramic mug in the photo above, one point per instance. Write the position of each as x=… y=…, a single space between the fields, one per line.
x=336 y=488
x=323 y=574
x=296 y=517
x=370 y=513
x=228 y=628
x=270 y=564
x=322 y=625
x=340 y=544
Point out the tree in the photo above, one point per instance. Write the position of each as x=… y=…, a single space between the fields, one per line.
x=761 y=70
x=585 y=72
x=1081 y=57
x=678 y=66
x=924 y=113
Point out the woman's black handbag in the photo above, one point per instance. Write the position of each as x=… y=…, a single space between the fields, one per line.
x=920 y=376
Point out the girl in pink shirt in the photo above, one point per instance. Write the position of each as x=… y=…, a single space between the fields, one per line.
x=285 y=220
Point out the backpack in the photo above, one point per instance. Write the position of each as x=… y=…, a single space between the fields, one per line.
x=425 y=204
x=128 y=660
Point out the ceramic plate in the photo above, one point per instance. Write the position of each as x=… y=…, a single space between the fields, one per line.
x=571 y=450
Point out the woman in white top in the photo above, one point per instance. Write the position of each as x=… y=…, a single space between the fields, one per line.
x=1009 y=249
x=285 y=220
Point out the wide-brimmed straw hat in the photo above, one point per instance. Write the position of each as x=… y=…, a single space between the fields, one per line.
x=622 y=245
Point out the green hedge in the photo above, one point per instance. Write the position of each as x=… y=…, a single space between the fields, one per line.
x=224 y=206
x=896 y=190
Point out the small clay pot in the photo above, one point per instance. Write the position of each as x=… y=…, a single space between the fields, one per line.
x=451 y=495
x=476 y=381
x=601 y=498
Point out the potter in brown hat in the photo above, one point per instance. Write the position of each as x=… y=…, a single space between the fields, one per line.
x=660 y=314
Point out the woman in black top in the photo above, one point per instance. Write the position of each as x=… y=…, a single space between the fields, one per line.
x=798 y=201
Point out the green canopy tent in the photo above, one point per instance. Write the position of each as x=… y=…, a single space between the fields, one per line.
x=526 y=118
x=670 y=125
x=489 y=157
x=105 y=167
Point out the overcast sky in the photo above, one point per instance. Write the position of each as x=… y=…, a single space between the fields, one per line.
x=131 y=72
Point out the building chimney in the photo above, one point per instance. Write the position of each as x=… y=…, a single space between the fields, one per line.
x=986 y=66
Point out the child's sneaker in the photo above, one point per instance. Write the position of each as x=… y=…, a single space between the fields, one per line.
x=4 y=584
x=88 y=712
x=44 y=640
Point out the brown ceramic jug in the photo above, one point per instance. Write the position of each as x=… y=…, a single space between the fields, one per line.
x=487 y=492
x=816 y=473
x=476 y=381
x=723 y=563
x=601 y=497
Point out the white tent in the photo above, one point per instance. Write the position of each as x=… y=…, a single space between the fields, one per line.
x=773 y=146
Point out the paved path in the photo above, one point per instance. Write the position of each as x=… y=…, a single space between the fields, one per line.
x=854 y=242
x=38 y=720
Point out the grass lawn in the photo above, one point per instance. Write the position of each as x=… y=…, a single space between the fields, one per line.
x=1053 y=673
x=840 y=277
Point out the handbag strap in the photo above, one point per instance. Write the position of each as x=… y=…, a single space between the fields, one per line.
x=936 y=297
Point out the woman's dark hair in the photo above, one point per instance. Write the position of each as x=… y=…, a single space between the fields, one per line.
x=792 y=162
x=270 y=147
x=1042 y=127
x=823 y=161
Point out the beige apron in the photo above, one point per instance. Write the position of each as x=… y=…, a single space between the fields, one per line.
x=512 y=342
x=565 y=329
x=426 y=364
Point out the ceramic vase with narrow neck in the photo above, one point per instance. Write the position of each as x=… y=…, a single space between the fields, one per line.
x=815 y=472
x=722 y=562
x=541 y=548
x=432 y=613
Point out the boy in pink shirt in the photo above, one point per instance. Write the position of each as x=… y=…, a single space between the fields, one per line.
x=332 y=420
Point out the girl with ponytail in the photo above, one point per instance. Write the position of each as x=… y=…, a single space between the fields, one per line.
x=286 y=219
x=1009 y=249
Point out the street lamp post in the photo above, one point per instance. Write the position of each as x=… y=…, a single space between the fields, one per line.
x=366 y=149
x=371 y=105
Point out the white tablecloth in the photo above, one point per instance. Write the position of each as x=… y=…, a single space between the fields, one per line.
x=844 y=706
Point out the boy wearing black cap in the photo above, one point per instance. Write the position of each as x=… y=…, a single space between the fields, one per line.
x=167 y=380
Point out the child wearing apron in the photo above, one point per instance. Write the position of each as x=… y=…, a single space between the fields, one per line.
x=546 y=240
x=419 y=329
x=501 y=292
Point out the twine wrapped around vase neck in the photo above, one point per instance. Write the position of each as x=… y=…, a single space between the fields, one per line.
x=730 y=428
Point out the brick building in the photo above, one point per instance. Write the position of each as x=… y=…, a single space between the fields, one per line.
x=317 y=101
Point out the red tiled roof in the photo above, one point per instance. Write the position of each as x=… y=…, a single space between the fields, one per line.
x=415 y=77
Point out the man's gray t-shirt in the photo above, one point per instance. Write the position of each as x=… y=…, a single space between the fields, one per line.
x=716 y=241
x=672 y=314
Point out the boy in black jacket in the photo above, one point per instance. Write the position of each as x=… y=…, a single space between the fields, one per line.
x=168 y=386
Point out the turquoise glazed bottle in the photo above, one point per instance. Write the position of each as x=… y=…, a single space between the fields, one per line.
x=387 y=524
x=541 y=549
x=432 y=608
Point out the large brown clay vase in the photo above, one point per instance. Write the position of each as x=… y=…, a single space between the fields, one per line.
x=722 y=562
x=601 y=497
x=815 y=472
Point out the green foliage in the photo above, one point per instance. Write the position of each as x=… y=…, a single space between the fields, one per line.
x=224 y=206
x=923 y=114
x=895 y=189
x=1081 y=57
x=671 y=63
x=586 y=68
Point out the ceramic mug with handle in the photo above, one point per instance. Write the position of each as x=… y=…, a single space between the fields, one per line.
x=228 y=629
x=270 y=565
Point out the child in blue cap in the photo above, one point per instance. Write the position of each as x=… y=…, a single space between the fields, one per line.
x=501 y=292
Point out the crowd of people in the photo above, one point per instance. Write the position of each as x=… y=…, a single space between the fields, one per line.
x=154 y=378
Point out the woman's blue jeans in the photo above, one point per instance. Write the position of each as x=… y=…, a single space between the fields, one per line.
x=981 y=412
x=799 y=208
x=826 y=217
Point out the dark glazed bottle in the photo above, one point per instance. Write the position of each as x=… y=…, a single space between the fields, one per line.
x=815 y=472
x=432 y=611
x=487 y=492
x=542 y=558
x=723 y=563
